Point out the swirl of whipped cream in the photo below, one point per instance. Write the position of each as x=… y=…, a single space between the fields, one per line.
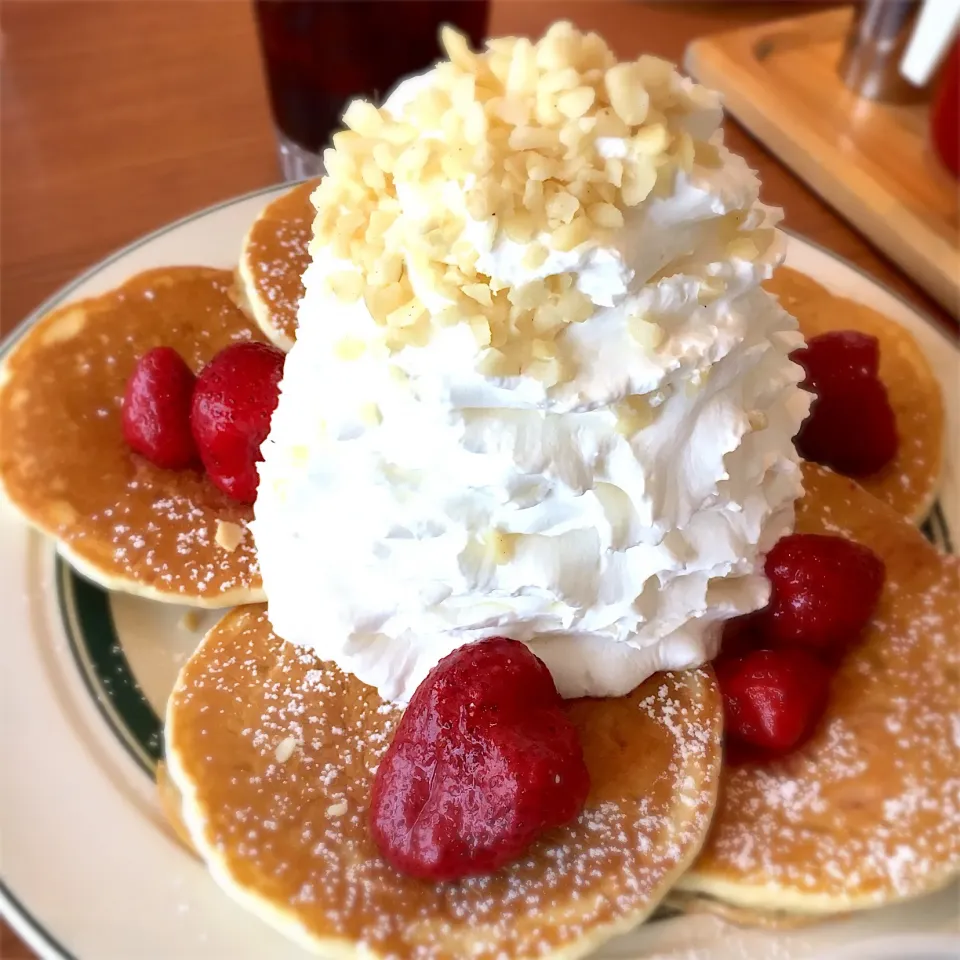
x=610 y=514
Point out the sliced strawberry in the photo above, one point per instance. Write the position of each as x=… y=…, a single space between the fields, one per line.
x=156 y=409
x=483 y=761
x=823 y=591
x=851 y=428
x=742 y=634
x=838 y=355
x=235 y=396
x=772 y=698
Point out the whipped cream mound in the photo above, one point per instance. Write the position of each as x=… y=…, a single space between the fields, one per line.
x=537 y=390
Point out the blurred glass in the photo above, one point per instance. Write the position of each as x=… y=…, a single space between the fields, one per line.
x=319 y=54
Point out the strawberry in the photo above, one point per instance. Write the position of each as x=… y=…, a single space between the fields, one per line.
x=838 y=355
x=742 y=634
x=483 y=761
x=156 y=409
x=235 y=396
x=823 y=591
x=772 y=699
x=851 y=426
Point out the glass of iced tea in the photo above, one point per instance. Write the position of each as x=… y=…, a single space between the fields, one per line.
x=319 y=54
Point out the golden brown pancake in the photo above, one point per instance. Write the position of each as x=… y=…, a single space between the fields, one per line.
x=695 y=903
x=274 y=753
x=170 y=804
x=868 y=811
x=64 y=465
x=272 y=262
x=908 y=484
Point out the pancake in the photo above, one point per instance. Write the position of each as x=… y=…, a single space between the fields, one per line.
x=274 y=751
x=171 y=805
x=122 y=522
x=909 y=483
x=679 y=901
x=868 y=811
x=272 y=261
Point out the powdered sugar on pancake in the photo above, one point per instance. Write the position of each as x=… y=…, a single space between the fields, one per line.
x=869 y=810
x=293 y=831
x=65 y=466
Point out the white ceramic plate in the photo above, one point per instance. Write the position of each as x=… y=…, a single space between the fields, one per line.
x=90 y=871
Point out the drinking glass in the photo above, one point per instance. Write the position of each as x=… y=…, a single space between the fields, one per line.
x=319 y=54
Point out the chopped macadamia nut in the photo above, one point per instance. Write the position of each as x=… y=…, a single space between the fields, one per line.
x=548 y=145
x=633 y=414
x=229 y=535
x=646 y=333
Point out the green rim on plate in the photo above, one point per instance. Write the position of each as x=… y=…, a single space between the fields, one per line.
x=105 y=668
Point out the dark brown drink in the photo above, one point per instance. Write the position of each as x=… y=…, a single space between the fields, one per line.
x=319 y=54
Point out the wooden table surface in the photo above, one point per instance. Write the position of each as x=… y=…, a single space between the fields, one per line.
x=117 y=116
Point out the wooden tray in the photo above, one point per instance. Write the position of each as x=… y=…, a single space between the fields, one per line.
x=871 y=161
